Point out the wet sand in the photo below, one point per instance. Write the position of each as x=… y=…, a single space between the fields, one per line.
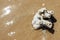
x=21 y=14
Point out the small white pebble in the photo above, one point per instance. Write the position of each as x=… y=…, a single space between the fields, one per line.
x=9 y=22
x=11 y=33
x=6 y=11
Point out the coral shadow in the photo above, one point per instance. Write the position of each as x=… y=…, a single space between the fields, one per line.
x=51 y=30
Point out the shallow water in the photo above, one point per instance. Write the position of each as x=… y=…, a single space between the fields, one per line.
x=15 y=21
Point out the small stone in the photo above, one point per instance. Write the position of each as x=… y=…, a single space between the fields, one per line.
x=11 y=33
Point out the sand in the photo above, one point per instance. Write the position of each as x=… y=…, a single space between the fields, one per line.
x=22 y=12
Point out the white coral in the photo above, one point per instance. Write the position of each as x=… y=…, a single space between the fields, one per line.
x=36 y=22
